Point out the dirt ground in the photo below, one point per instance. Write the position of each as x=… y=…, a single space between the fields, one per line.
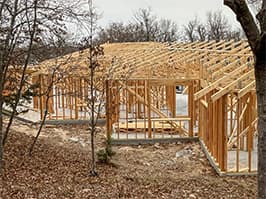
x=59 y=168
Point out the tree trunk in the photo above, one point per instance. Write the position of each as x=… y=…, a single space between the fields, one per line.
x=260 y=73
x=1 y=133
x=93 y=161
x=1 y=112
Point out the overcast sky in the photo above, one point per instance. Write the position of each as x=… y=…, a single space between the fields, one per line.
x=180 y=11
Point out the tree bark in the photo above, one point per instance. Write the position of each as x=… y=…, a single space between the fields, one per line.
x=260 y=71
x=92 y=119
x=257 y=40
x=260 y=74
x=245 y=18
x=1 y=130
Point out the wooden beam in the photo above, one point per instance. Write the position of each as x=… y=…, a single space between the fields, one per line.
x=215 y=84
x=231 y=86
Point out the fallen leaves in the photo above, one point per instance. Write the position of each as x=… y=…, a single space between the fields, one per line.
x=59 y=168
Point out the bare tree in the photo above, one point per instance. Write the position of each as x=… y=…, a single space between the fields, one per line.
x=163 y=30
x=147 y=23
x=190 y=30
x=54 y=77
x=216 y=28
x=256 y=35
x=217 y=25
x=96 y=83
x=18 y=26
x=167 y=31
x=202 y=32
x=23 y=24
x=118 y=32
x=32 y=31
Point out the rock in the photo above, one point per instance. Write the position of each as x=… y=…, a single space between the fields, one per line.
x=168 y=162
x=192 y=196
x=126 y=148
x=157 y=145
x=86 y=190
x=180 y=153
x=73 y=139
x=188 y=148
x=146 y=164
x=83 y=144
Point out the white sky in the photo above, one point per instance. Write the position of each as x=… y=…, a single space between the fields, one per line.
x=180 y=11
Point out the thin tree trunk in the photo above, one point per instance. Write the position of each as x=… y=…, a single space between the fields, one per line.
x=260 y=73
x=1 y=131
x=39 y=131
x=48 y=96
x=22 y=80
x=92 y=96
x=3 y=67
x=93 y=163
x=92 y=120
x=1 y=111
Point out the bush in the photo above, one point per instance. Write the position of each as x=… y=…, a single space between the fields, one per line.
x=105 y=155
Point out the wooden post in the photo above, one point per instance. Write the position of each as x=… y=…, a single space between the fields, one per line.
x=127 y=107
x=144 y=108
x=41 y=97
x=139 y=85
x=76 y=99
x=174 y=101
x=71 y=97
x=50 y=96
x=223 y=134
x=63 y=97
x=190 y=109
x=238 y=133
x=117 y=108
x=215 y=130
x=107 y=111
x=149 y=108
x=56 y=103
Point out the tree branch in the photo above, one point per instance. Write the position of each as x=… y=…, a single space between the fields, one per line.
x=261 y=16
x=244 y=16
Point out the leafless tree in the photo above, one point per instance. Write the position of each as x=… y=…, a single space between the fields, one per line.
x=256 y=35
x=95 y=82
x=190 y=30
x=202 y=32
x=54 y=76
x=118 y=32
x=218 y=26
x=18 y=26
x=23 y=24
x=167 y=31
x=147 y=23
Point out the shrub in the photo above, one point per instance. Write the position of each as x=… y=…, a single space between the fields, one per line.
x=105 y=155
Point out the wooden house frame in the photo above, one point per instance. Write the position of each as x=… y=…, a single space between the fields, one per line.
x=141 y=81
x=227 y=109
